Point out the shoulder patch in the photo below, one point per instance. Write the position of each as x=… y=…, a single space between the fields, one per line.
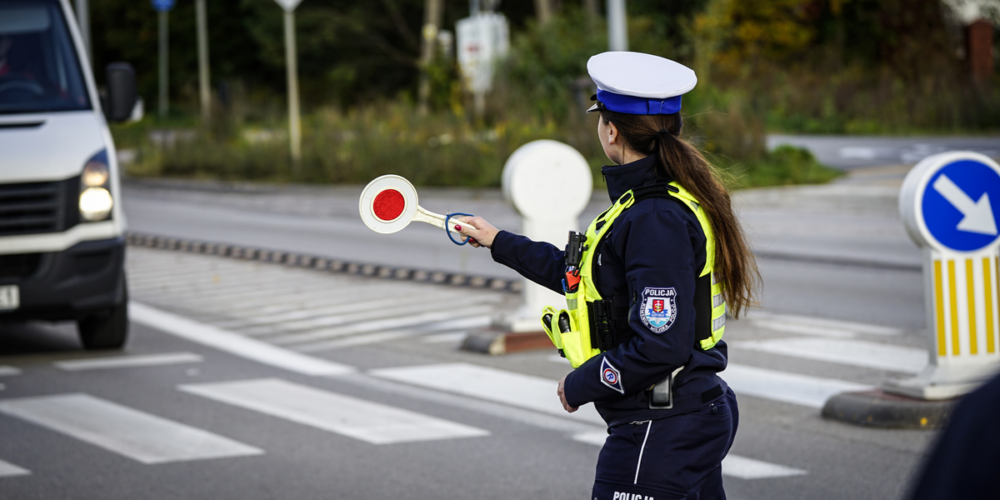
x=610 y=376
x=659 y=308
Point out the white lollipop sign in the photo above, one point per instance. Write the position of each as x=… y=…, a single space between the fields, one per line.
x=389 y=203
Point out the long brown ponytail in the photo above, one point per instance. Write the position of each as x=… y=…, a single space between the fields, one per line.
x=682 y=162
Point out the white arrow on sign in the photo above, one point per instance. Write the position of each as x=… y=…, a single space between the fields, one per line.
x=978 y=215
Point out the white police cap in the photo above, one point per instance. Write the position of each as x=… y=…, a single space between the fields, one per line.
x=639 y=84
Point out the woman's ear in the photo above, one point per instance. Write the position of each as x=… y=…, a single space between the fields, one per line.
x=612 y=131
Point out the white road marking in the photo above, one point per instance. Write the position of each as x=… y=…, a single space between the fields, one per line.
x=748 y=468
x=801 y=329
x=733 y=465
x=402 y=309
x=445 y=337
x=359 y=419
x=786 y=387
x=233 y=343
x=8 y=371
x=128 y=361
x=464 y=323
x=8 y=469
x=355 y=301
x=137 y=435
x=817 y=326
x=515 y=389
x=843 y=351
x=381 y=325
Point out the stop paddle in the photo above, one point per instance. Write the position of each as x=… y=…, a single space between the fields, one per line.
x=389 y=203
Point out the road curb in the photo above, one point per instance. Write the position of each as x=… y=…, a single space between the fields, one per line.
x=887 y=411
x=323 y=263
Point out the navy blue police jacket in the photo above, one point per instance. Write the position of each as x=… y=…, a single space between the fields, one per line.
x=658 y=243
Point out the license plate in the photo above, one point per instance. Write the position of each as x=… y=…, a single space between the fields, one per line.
x=10 y=298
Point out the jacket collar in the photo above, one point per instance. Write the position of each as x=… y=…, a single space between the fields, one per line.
x=621 y=178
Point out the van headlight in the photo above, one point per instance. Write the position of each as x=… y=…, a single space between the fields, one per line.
x=95 y=204
x=95 y=194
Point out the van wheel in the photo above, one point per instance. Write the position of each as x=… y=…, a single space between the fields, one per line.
x=107 y=329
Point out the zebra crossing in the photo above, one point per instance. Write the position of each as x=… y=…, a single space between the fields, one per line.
x=284 y=316
x=152 y=440
x=304 y=310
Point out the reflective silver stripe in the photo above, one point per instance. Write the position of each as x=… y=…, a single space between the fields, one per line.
x=715 y=279
x=718 y=323
x=717 y=300
x=649 y=425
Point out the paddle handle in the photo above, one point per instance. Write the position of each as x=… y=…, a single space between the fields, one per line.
x=437 y=219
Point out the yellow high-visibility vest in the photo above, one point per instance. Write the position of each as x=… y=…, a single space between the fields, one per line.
x=578 y=345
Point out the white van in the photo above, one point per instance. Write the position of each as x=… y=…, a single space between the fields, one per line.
x=62 y=249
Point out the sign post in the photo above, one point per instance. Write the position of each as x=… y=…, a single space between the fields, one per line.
x=163 y=8
x=946 y=203
x=203 y=82
x=617 y=26
x=291 y=63
x=83 y=21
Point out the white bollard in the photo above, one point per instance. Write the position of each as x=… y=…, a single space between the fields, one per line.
x=946 y=206
x=549 y=184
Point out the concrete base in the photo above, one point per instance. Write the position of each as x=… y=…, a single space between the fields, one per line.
x=496 y=342
x=879 y=409
x=518 y=325
x=941 y=382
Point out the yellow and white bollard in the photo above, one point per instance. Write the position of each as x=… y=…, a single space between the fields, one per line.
x=946 y=206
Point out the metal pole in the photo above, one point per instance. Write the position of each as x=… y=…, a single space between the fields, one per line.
x=543 y=11
x=203 y=80
x=294 y=131
x=432 y=19
x=617 y=26
x=83 y=21
x=592 y=11
x=164 y=106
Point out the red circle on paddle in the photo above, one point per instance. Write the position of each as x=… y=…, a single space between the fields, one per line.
x=388 y=205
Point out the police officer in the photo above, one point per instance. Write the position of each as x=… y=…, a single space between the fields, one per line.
x=648 y=303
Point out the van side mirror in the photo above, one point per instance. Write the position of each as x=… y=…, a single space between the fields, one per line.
x=121 y=91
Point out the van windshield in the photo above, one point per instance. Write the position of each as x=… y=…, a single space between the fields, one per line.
x=39 y=70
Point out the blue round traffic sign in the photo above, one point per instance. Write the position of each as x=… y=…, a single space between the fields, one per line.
x=162 y=5
x=957 y=205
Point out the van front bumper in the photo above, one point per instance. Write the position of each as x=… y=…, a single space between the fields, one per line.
x=68 y=285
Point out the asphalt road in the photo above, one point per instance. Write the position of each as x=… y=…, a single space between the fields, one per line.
x=274 y=382
x=850 y=152
x=218 y=394
x=817 y=245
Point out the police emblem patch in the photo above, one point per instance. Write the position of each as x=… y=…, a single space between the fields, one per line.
x=659 y=308
x=610 y=376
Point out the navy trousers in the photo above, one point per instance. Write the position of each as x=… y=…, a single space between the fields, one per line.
x=673 y=458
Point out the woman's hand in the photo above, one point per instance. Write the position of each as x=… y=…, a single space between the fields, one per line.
x=562 y=397
x=481 y=232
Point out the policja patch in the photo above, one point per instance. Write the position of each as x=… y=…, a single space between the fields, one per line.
x=610 y=376
x=659 y=308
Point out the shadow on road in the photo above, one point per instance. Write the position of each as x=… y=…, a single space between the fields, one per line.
x=37 y=338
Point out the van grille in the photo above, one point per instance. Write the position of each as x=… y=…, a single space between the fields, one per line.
x=38 y=207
